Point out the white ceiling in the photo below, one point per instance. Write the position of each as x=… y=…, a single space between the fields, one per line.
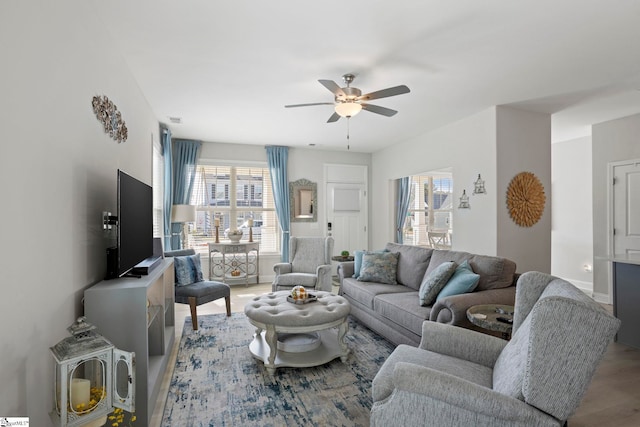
x=227 y=68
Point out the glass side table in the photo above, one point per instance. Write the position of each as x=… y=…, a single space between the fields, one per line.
x=486 y=316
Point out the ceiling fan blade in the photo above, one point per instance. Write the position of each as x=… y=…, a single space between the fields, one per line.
x=334 y=118
x=379 y=110
x=333 y=87
x=308 y=105
x=384 y=93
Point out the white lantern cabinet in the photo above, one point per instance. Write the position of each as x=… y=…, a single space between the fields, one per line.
x=137 y=314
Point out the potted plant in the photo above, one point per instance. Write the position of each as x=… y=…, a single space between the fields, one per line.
x=344 y=254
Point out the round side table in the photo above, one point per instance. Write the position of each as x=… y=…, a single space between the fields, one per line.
x=486 y=316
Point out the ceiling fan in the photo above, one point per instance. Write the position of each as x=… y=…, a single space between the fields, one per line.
x=349 y=101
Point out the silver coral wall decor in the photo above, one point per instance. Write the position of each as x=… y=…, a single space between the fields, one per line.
x=107 y=112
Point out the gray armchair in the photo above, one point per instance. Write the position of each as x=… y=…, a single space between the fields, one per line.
x=309 y=265
x=459 y=377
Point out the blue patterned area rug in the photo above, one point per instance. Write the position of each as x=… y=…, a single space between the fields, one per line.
x=216 y=381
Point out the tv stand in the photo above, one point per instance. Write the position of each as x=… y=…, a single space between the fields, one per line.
x=138 y=315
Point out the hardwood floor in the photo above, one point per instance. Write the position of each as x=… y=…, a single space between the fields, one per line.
x=613 y=398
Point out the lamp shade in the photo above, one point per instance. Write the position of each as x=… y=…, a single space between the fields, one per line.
x=348 y=109
x=183 y=213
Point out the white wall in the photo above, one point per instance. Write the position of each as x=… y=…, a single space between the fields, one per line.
x=572 y=214
x=612 y=141
x=497 y=143
x=58 y=173
x=523 y=143
x=303 y=163
x=468 y=147
x=309 y=164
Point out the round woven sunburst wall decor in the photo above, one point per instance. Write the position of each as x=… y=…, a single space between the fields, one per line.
x=525 y=199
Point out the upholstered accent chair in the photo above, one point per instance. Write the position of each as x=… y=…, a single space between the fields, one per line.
x=459 y=377
x=309 y=265
x=200 y=291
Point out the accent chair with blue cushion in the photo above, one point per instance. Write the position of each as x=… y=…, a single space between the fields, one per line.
x=191 y=288
x=309 y=265
x=460 y=377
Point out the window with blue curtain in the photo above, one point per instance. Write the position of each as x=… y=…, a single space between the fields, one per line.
x=185 y=155
x=277 y=159
x=429 y=216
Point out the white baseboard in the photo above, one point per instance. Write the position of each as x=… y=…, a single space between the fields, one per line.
x=602 y=298
x=267 y=279
x=587 y=288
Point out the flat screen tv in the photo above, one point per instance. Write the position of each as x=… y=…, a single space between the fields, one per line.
x=135 y=222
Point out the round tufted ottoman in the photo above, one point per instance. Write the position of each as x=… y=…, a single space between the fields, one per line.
x=272 y=314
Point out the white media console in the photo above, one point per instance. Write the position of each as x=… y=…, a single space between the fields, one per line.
x=137 y=314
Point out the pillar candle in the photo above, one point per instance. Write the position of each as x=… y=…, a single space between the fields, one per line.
x=216 y=222
x=250 y=222
x=80 y=393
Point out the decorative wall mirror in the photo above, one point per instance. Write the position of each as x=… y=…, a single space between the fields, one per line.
x=303 y=199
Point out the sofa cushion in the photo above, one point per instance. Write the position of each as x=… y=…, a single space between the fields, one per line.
x=383 y=386
x=357 y=261
x=412 y=263
x=187 y=269
x=365 y=292
x=379 y=267
x=402 y=309
x=434 y=281
x=495 y=272
x=463 y=280
x=307 y=280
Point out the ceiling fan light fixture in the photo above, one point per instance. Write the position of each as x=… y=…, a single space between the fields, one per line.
x=348 y=109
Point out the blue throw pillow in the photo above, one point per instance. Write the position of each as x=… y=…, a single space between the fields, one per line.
x=463 y=280
x=188 y=269
x=380 y=267
x=433 y=283
x=357 y=261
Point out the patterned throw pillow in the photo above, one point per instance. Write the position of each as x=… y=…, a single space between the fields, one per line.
x=379 y=267
x=188 y=269
x=357 y=261
x=463 y=280
x=433 y=283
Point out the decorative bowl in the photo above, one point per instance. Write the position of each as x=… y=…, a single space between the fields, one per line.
x=235 y=235
x=299 y=293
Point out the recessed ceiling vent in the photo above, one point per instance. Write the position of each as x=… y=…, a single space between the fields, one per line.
x=176 y=120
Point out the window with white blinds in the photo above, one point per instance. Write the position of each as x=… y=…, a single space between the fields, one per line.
x=234 y=194
x=428 y=221
x=158 y=193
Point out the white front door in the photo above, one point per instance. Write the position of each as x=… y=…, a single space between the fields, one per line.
x=626 y=210
x=347 y=217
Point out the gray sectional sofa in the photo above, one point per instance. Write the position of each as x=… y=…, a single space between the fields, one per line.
x=394 y=310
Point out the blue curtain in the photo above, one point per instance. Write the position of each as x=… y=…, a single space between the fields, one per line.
x=277 y=161
x=168 y=186
x=185 y=159
x=403 y=198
